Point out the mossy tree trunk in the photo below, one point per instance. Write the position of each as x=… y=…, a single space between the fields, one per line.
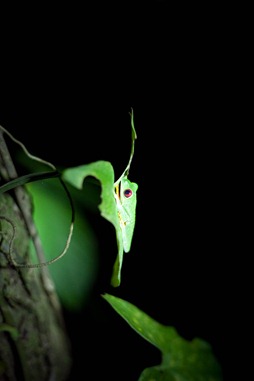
x=33 y=340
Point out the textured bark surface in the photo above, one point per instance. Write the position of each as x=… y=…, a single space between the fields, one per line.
x=33 y=341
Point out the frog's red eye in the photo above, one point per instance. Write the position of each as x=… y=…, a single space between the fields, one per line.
x=127 y=193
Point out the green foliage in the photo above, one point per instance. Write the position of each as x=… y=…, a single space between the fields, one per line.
x=75 y=273
x=114 y=206
x=103 y=171
x=182 y=360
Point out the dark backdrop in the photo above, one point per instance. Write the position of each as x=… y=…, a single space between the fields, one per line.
x=68 y=84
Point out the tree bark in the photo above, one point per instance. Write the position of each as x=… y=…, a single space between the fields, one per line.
x=34 y=344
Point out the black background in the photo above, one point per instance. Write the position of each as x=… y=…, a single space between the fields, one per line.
x=68 y=82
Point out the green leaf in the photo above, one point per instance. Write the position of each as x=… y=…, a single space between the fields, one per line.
x=102 y=171
x=182 y=360
x=75 y=274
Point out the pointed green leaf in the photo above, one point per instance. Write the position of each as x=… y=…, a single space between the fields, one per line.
x=154 y=332
x=182 y=360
